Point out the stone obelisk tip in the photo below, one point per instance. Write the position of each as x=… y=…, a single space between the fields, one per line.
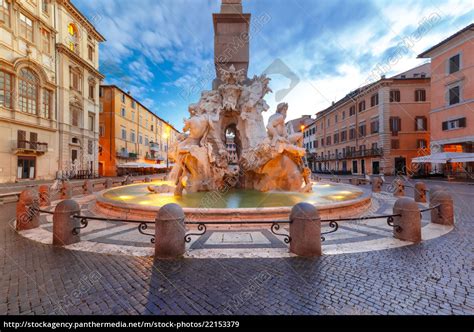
x=231 y=7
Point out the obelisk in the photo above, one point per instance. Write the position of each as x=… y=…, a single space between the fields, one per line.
x=231 y=37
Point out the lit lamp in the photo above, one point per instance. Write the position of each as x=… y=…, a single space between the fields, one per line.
x=302 y=128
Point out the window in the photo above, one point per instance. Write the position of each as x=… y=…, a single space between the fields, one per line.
x=395 y=144
x=91 y=122
x=28 y=85
x=5 y=12
x=352 y=133
x=336 y=138
x=322 y=141
x=91 y=91
x=315 y=144
x=151 y=128
x=454 y=124
x=73 y=38
x=123 y=98
x=329 y=122
x=76 y=117
x=421 y=144
x=362 y=130
x=375 y=146
x=90 y=147
x=453 y=95
x=374 y=100
x=328 y=140
x=47 y=97
x=101 y=131
x=362 y=106
x=420 y=95
x=45 y=6
x=6 y=89
x=124 y=133
x=395 y=125
x=26 y=28
x=140 y=139
x=75 y=80
x=90 y=52
x=421 y=123
x=134 y=104
x=132 y=136
x=335 y=118
x=21 y=137
x=394 y=96
x=146 y=141
x=352 y=110
x=454 y=63
x=45 y=41
x=343 y=136
x=123 y=112
x=374 y=126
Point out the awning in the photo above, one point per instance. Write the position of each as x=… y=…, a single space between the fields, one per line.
x=445 y=157
x=143 y=165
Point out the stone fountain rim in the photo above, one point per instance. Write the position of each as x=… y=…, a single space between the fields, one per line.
x=365 y=197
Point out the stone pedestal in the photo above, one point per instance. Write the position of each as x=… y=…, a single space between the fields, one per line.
x=433 y=190
x=88 y=187
x=305 y=230
x=170 y=232
x=377 y=183
x=128 y=180
x=354 y=181
x=64 y=223
x=147 y=179
x=44 y=195
x=408 y=225
x=443 y=215
x=420 y=192
x=27 y=214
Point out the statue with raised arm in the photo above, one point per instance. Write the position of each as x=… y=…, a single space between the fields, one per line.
x=276 y=125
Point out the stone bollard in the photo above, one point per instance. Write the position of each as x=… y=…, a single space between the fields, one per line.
x=420 y=192
x=408 y=225
x=443 y=215
x=354 y=181
x=128 y=180
x=305 y=230
x=44 y=196
x=170 y=232
x=433 y=190
x=399 y=188
x=66 y=190
x=88 y=187
x=108 y=183
x=147 y=179
x=377 y=183
x=64 y=223
x=27 y=214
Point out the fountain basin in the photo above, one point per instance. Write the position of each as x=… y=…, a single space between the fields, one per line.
x=136 y=202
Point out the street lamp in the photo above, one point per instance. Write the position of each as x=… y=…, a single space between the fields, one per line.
x=166 y=135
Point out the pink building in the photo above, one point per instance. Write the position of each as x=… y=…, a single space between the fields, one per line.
x=452 y=95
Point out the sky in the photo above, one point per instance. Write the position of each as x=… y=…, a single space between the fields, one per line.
x=162 y=50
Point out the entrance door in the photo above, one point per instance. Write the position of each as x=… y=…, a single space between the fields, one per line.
x=375 y=167
x=354 y=167
x=26 y=167
x=344 y=166
x=400 y=165
x=101 y=169
x=362 y=166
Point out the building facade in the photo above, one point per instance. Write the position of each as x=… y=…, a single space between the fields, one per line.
x=452 y=95
x=376 y=129
x=129 y=132
x=78 y=89
x=34 y=82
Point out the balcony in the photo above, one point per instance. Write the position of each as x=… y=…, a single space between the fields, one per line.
x=127 y=155
x=377 y=152
x=154 y=147
x=28 y=147
x=153 y=157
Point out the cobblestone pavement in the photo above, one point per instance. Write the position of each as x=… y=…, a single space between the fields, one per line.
x=434 y=277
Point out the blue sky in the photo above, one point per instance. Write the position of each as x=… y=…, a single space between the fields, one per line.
x=162 y=50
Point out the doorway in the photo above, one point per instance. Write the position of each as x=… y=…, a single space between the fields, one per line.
x=354 y=167
x=362 y=166
x=375 y=167
x=400 y=166
x=26 y=168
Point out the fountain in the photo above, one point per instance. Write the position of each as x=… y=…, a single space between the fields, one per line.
x=266 y=176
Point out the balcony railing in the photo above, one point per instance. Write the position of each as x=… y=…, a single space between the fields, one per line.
x=127 y=155
x=376 y=152
x=33 y=147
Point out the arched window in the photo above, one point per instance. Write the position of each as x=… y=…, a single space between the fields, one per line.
x=28 y=85
x=72 y=37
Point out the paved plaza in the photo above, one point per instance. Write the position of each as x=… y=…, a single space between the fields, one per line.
x=433 y=277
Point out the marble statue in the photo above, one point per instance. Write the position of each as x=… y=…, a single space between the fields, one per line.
x=267 y=157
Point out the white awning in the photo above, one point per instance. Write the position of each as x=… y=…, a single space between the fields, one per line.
x=143 y=165
x=445 y=157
